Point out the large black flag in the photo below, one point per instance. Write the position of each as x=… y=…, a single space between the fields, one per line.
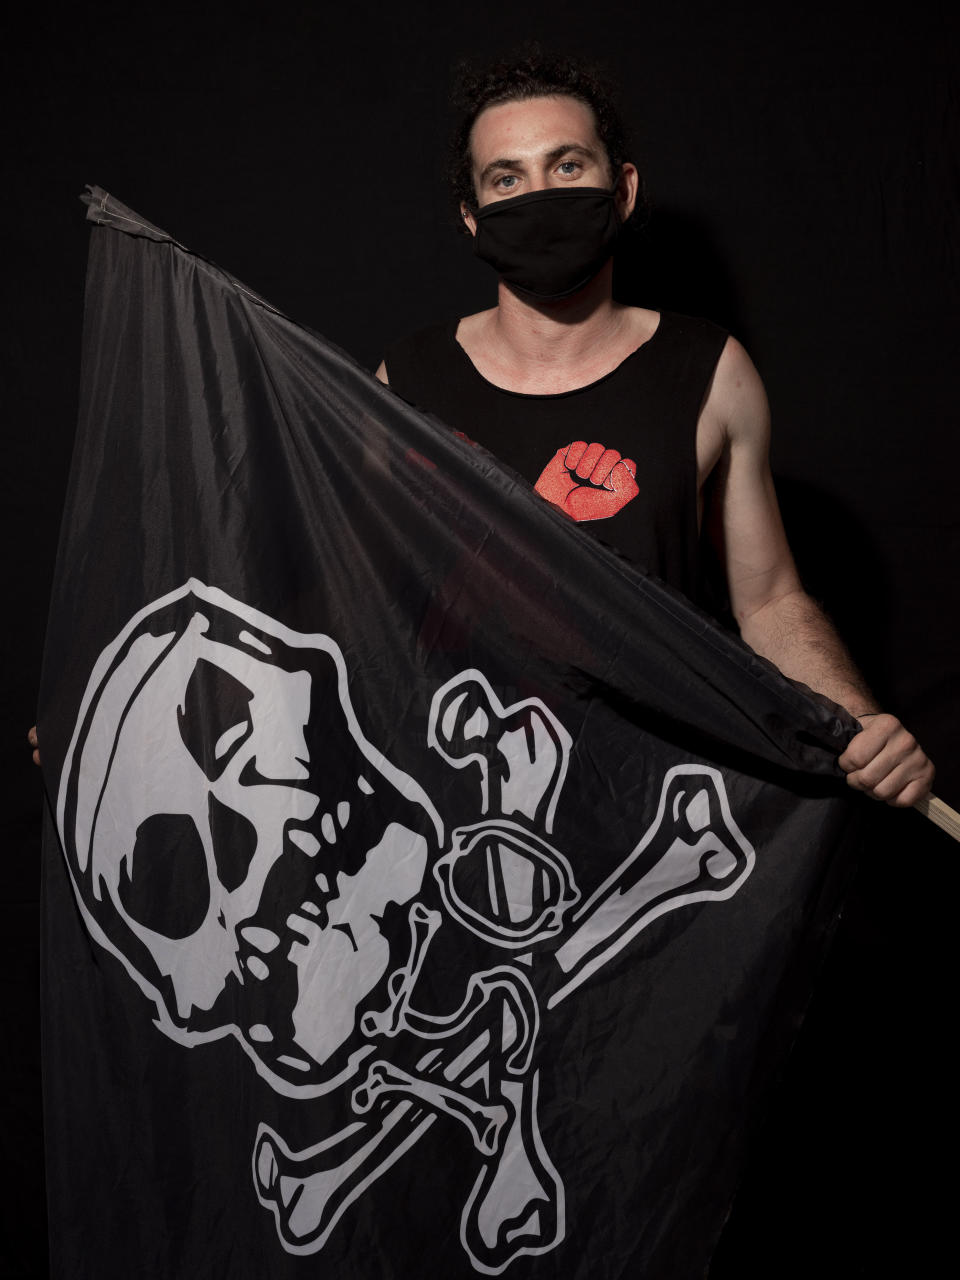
x=431 y=891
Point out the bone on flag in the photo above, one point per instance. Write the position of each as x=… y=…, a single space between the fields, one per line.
x=427 y=890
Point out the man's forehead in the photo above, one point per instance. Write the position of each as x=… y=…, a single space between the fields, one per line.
x=530 y=128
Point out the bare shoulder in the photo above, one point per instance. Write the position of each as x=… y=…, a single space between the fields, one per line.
x=737 y=403
x=471 y=329
x=642 y=323
x=734 y=423
x=381 y=373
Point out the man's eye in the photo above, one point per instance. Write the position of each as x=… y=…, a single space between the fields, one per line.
x=569 y=167
x=506 y=182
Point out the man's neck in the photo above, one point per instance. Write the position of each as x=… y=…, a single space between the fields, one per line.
x=523 y=344
x=556 y=333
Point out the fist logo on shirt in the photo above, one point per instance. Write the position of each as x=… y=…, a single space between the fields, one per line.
x=588 y=481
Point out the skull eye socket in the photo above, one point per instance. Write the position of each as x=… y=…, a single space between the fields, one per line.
x=234 y=843
x=215 y=717
x=164 y=884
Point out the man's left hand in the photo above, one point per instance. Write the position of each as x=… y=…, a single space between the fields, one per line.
x=886 y=761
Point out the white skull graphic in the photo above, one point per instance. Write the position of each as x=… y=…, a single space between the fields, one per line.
x=236 y=840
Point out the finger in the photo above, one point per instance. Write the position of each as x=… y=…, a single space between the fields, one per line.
x=32 y=735
x=574 y=453
x=622 y=480
x=887 y=775
x=902 y=787
x=601 y=471
x=591 y=456
x=630 y=465
x=876 y=756
x=872 y=739
x=914 y=792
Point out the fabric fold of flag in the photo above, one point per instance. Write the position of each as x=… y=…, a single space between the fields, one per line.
x=427 y=888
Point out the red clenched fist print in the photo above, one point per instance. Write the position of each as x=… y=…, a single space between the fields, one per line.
x=588 y=481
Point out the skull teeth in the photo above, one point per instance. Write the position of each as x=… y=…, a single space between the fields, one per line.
x=303 y=928
x=264 y=940
x=305 y=840
x=321 y=902
x=308 y=842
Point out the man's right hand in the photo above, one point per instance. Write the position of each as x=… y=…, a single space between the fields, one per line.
x=32 y=739
x=885 y=761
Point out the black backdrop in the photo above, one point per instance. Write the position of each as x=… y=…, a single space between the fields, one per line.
x=802 y=166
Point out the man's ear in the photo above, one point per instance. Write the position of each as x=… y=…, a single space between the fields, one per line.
x=625 y=194
x=469 y=221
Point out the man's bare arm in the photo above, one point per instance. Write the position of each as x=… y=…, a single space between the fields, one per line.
x=775 y=615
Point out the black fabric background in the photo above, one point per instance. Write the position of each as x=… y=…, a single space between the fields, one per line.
x=802 y=167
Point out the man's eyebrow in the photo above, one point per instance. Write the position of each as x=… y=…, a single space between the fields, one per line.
x=504 y=162
x=566 y=147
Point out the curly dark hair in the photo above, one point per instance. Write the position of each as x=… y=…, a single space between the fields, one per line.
x=531 y=74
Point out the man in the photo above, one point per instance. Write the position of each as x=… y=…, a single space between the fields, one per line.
x=543 y=133
x=544 y=187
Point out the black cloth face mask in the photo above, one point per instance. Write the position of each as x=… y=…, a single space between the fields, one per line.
x=548 y=243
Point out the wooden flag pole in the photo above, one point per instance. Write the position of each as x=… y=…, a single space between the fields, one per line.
x=937 y=811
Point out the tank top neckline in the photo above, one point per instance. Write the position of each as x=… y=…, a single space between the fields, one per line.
x=552 y=395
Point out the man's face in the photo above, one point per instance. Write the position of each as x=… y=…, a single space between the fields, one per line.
x=518 y=147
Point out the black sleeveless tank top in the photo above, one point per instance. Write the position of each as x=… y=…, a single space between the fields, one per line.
x=619 y=455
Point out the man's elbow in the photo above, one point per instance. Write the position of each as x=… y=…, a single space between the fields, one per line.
x=757 y=613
